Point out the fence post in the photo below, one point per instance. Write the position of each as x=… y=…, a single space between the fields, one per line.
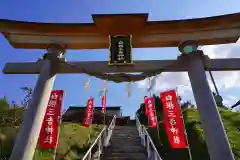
x=148 y=148
x=99 y=147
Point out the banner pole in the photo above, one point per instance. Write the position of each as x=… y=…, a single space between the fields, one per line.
x=104 y=120
x=58 y=135
x=145 y=109
x=185 y=132
x=90 y=131
x=157 y=126
x=155 y=112
x=150 y=94
x=91 y=123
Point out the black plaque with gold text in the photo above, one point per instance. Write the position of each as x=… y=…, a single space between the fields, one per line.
x=120 y=50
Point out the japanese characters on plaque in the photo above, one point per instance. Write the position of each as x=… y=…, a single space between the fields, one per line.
x=49 y=130
x=88 y=113
x=120 y=50
x=172 y=119
x=151 y=111
x=104 y=104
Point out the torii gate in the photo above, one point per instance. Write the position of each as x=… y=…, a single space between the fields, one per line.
x=204 y=31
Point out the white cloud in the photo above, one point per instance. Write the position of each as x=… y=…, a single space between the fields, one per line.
x=225 y=80
x=227 y=102
x=232 y=97
x=230 y=100
x=171 y=80
x=167 y=80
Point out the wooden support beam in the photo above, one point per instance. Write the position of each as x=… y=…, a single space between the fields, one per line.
x=139 y=66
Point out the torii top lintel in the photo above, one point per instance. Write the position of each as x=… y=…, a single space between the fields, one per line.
x=211 y=30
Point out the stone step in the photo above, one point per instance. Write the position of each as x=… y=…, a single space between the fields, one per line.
x=123 y=158
x=125 y=126
x=126 y=129
x=133 y=156
x=126 y=142
x=116 y=144
x=129 y=138
x=126 y=133
x=126 y=149
x=131 y=133
x=123 y=136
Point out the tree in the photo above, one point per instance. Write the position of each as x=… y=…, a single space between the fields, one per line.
x=28 y=97
x=141 y=114
x=159 y=110
x=4 y=103
x=187 y=104
x=219 y=100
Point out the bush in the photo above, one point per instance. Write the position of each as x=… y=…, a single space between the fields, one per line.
x=11 y=117
x=199 y=151
x=7 y=137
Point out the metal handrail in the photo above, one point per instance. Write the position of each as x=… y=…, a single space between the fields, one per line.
x=147 y=142
x=109 y=131
x=94 y=143
x=112 y=122
x=100 y=140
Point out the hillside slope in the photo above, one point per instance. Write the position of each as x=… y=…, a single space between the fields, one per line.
x=196 y=140
x=74 y=142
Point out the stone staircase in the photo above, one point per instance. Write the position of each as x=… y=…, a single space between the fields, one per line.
x=124 y=145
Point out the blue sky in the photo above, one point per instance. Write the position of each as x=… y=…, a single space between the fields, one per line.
x=76 y=11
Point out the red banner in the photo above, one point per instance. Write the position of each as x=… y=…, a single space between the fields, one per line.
x=172 y=119
x=88 y=113
x=49 y=130
x=103 y=104
x=151 y=111
x=145 y=104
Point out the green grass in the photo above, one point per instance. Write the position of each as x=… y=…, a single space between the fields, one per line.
x=231 y=121
x=73 y=143
x=7 y=135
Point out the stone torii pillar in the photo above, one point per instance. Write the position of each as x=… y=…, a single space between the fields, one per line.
x=214 y=132
x=26 y=141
